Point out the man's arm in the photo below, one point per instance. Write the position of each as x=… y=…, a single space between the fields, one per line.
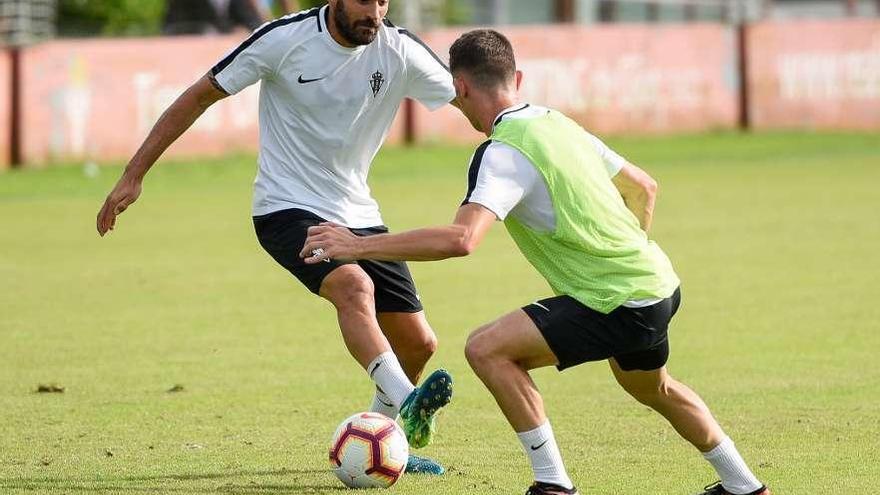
x=427 y=244
x=639 y=192
x=177 y=119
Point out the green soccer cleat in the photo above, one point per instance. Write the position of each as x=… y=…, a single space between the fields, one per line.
x=418 y=410
x=423 y=465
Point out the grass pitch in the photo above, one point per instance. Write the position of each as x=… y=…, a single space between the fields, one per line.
x=774 y=236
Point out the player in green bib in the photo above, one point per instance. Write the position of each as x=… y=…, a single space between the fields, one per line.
x=580 y=214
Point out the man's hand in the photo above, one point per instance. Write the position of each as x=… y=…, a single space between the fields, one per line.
x=329 y=240
x=460 y=238
x=121 y=197
x=639 y=192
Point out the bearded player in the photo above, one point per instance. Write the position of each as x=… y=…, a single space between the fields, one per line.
x=331 y=82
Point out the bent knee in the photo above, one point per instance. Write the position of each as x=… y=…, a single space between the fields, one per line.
x=422 y=343
x=348 y=287
x=479 y=347
x=429 y=343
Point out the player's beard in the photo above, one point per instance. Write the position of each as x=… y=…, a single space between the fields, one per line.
x=349 y=30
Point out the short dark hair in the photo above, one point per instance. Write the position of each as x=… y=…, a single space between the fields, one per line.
x=486 y=55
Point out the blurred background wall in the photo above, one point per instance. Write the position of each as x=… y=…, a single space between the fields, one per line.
x=85 y=79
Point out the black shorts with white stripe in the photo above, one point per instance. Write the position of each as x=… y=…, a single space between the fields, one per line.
x=635 y=337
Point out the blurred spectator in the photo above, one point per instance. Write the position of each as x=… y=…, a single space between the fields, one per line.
x=210 y=16
x=270 y=8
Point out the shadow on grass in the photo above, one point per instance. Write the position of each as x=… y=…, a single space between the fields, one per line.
x=142 y=484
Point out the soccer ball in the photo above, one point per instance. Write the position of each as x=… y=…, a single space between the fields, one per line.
x=368 y=450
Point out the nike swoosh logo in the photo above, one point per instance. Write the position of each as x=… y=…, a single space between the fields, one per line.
x=375 y=368
x=539 y=446
x=306 y=81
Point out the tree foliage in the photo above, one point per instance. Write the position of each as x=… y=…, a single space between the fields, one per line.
x=307 y=4
x=110 y=17
x=144 y=17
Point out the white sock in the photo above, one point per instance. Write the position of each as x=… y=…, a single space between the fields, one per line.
x=385 y=370
x=382 y=404
x=540 y=446
x=735 y=476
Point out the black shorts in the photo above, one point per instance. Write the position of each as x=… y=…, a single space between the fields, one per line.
x=635 y=337
x=283 y=234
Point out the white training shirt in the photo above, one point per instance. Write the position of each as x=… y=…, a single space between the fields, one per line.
x=504 y=181
x=325 y=110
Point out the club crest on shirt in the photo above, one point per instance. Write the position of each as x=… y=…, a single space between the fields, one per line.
x=376 y=82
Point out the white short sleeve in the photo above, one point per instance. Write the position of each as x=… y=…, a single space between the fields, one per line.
x=428 y=78
x=499 y=178
x=255 y=59
x=613 y=161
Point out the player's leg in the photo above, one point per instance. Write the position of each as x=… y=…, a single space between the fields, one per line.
x=402 y=319
x=411 y=338
x=683 y=408
x=353 y=292
x=399 y=311
x=501 y=353
x=413 y=341
x=641 y=371
x=350 y=290
x=282 y=234
x=691 y=418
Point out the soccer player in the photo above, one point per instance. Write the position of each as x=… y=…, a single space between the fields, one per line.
x=580 y=215
x=332 y=79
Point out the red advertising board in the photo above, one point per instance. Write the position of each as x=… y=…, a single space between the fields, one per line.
x=98 y=99
x=616 y=79
x=814 y=74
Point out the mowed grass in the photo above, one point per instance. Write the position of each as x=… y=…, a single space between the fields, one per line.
x=774 y=236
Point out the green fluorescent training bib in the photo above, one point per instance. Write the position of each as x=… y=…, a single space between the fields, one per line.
x=598 y=253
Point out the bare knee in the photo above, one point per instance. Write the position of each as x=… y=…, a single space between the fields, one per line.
x=428 y=343
x=420 y=344
x=422 y=339
x=349 y=289
x=479 y=349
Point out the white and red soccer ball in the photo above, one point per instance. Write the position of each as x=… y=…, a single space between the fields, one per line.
x=368 y=450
